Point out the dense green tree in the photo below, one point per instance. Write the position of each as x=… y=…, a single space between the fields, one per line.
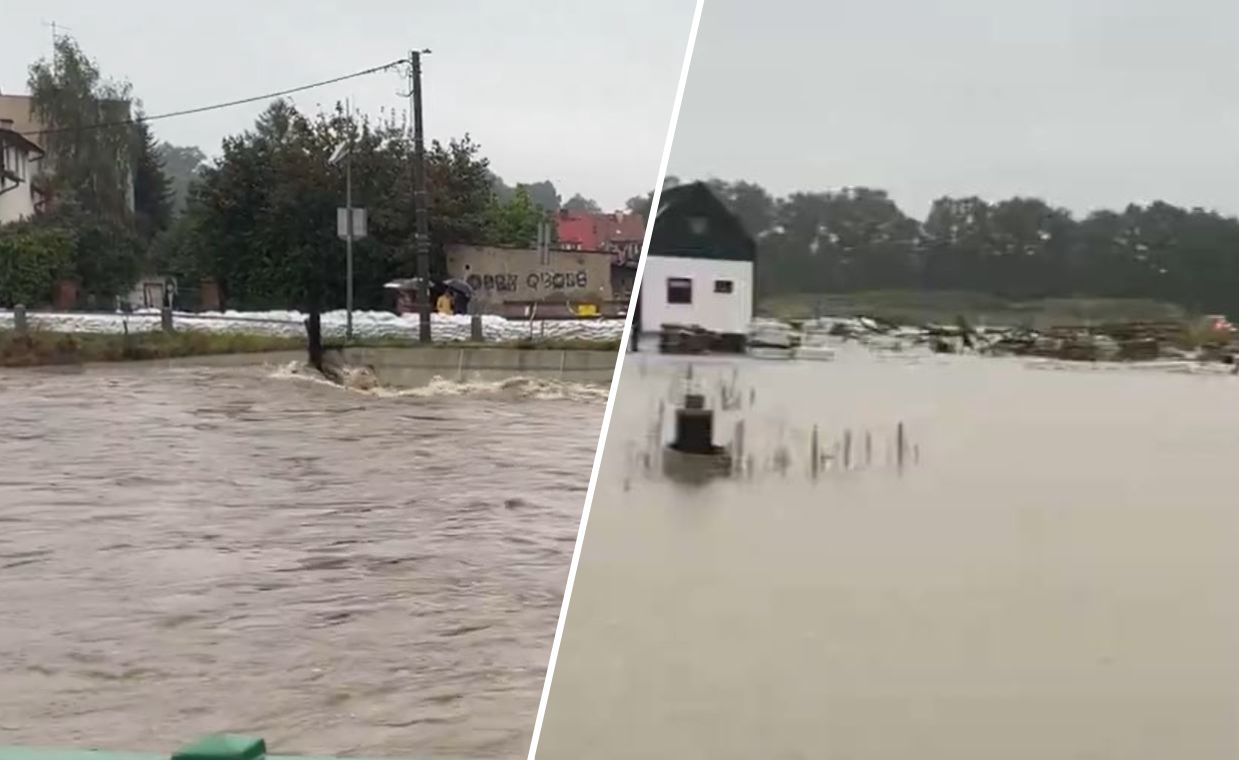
x=89 y=147
x=32 y=258
x=153 y=196
x=181 y=165
x=1020 y=248
x=515 y=223
x=580 y=204
x=261 y=218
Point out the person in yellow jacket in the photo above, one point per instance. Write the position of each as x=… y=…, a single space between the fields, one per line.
x=444 y=304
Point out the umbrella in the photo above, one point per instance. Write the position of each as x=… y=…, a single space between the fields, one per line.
x=460 y=286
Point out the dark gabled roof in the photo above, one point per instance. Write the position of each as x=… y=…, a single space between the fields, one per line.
x=724 y=237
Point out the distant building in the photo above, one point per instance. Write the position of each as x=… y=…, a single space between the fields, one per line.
x=18 y=158
x=618 y=233
x=19 y=110
x=699 y=267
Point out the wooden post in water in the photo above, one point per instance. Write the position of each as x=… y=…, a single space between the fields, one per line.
x=475 y=328
x=314 y=339
x=868 y=448
x=20 y=324
x=814 y=454
x=847 y=449
x=165 y=319
x=738 y=445
x=900 y=446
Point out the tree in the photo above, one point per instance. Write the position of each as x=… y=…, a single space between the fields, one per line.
x=857 y=239
x=91 y=164
x=181 y=165
x=32 y=258
x=261 y=218
x=152 y=190
x=543 y=194
x=579 y=204
x=515 y=223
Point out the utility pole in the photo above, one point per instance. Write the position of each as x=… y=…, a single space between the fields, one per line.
x=422 y=237
x=348 y=250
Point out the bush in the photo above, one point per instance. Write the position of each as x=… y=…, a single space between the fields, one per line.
x=31 y=260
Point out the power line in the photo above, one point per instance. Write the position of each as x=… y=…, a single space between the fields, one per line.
x=217 y=106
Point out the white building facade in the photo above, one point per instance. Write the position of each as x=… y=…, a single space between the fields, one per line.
x=699 y=269
x=716 y=294
x=18 y=156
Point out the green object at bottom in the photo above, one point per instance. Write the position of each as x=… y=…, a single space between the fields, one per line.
x=216 y=747
x=223 y=747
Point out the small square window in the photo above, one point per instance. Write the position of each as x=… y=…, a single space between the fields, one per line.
x=679 y=290
x=723 y=286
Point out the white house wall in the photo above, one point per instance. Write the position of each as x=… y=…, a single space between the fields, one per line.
x=16 y=202
x=719 y=312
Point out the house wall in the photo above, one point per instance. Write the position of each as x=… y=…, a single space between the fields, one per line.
x=499 y=275
x=16 y=201
x=719 y=312
x=16 y=204
x=18 y=109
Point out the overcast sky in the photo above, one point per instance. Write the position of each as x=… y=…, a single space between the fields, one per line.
x=576 y=91
x=1087 y=103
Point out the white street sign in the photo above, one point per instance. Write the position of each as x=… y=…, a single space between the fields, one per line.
x=359 y=223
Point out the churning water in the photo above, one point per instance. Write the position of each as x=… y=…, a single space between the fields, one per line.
x=192 y=550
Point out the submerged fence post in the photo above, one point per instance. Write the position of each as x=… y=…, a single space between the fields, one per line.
x=475 y=328
x=20 y=324
x=165 y=319
x=815 y=461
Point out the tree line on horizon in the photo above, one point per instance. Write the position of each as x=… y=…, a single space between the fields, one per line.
x=259 y=220
x=857 y=239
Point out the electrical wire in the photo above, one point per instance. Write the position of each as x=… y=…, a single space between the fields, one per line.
x=217 y=106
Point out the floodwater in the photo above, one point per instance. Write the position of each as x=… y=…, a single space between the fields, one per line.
x=1053 y=573
x=194 y=550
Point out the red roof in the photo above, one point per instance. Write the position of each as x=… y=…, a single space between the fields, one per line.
x=598 y=232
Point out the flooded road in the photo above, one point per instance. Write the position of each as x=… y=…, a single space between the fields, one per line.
x=192 y=550
x=1054 y=574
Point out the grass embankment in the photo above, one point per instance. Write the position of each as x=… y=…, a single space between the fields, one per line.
x=51 y=348
x=913 y=307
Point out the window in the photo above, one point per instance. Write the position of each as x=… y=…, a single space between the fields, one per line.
x=679 y=290
x=723 y=286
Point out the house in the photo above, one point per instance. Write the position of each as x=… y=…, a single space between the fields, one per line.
x=618 y=233
x=19 y=110
x=18 y=156
x=699 y=266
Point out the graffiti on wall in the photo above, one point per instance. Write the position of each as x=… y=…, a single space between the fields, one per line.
x=541 y=281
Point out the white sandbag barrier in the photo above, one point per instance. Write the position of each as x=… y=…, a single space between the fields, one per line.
x=367 y=325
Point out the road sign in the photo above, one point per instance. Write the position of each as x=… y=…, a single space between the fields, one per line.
x=359 y=223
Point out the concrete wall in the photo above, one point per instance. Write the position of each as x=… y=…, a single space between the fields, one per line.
x=721 y=312
x=499 y=275
x=414 y=367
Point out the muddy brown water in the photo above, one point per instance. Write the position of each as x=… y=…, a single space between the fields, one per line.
x=1056 y=577
x=190 y=550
